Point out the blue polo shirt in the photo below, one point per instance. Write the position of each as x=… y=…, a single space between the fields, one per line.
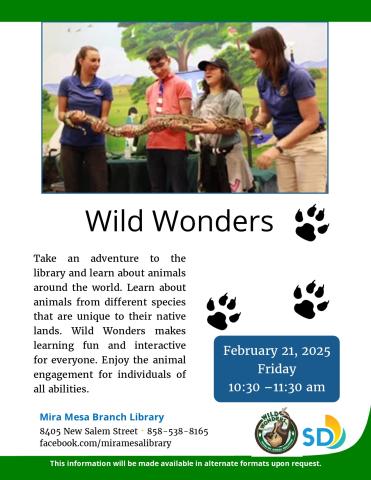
x=88 y=98
x=296 y=84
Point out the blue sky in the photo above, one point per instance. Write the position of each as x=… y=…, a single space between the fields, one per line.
x=61 y=42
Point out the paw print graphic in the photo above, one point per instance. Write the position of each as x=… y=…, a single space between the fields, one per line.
x=307 y=230
x=306 y=307
x=219 y=319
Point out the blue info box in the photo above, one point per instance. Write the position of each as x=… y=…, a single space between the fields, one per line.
x=275 y=369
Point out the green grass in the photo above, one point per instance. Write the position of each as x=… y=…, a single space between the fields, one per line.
x=122 y=102
x=49 y=123
x=119 y=111
x=322 y=96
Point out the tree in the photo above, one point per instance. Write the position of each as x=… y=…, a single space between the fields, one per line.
x=242 y=69
x=46 y=100
x=179 y=39
x=139 y=87
x=315 y=73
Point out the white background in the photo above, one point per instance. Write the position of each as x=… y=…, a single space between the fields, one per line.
x=254 y=266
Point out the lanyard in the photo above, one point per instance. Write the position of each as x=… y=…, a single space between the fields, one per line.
x=159 y=104
x=161 y=89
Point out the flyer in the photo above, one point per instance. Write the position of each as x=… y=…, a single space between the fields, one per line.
x=189 y=331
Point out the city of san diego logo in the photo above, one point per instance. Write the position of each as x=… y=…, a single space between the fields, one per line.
x=331 y=436
x=276 y=432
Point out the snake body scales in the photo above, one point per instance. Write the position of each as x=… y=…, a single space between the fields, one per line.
x=182 y=122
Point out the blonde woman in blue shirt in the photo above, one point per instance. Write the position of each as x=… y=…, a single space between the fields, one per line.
x=83 y=157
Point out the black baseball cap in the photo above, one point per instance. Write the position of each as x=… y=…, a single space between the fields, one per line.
x=217 y=62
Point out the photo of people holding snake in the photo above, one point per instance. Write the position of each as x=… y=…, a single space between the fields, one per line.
x=250 y=118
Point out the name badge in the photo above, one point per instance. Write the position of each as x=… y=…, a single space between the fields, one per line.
x=98 y=92
x=283 y=91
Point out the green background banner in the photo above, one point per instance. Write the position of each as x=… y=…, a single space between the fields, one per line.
x=345 y=464
x=240 y=10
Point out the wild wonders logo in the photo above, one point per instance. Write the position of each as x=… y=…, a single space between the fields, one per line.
x=276 y=432
x=331 y=436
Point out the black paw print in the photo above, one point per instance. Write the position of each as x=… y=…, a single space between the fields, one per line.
x=306 y=307
x=307 y=230
x=218 y=320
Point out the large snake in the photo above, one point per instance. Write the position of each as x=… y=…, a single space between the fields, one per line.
x=159 y=122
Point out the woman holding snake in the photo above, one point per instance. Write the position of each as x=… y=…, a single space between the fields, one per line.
x=287 y=95
x=83 y=157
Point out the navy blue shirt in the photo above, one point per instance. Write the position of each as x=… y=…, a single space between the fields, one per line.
x=295 y=84
x=88 y=98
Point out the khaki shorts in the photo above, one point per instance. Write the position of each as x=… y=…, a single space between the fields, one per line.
x=304 y=167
